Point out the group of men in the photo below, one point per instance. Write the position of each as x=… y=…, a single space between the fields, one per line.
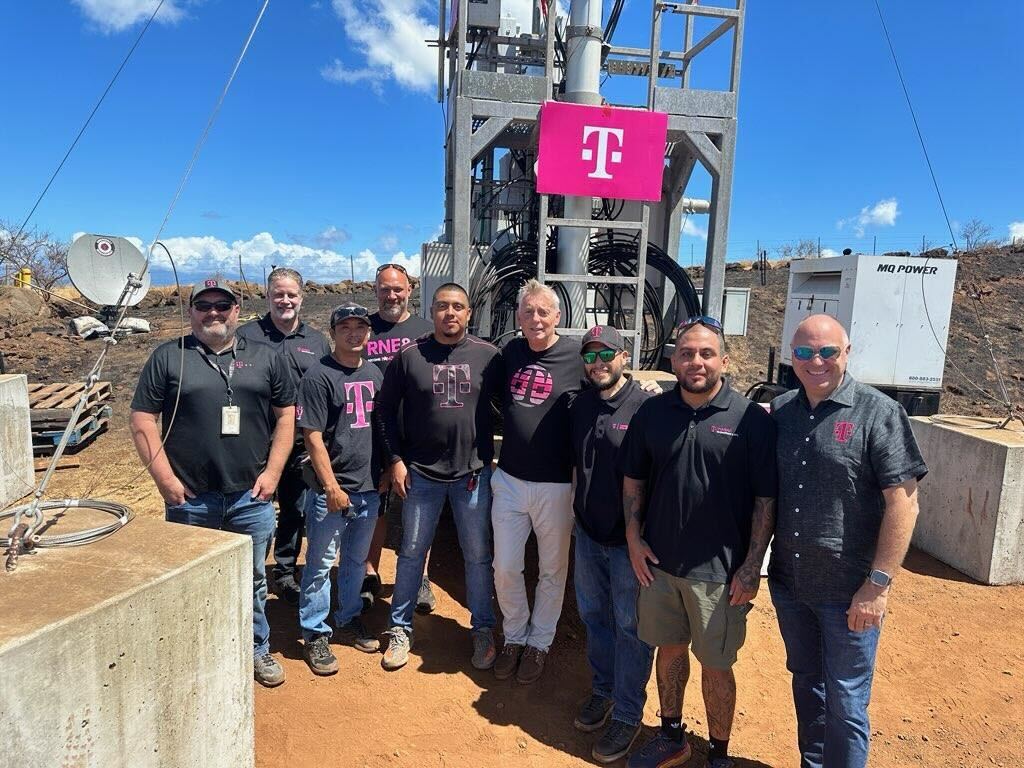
x=672 y=498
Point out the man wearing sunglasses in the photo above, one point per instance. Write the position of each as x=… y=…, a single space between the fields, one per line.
x=606 y=587
x=232 y=403
x=848 y=472
x=699 y=486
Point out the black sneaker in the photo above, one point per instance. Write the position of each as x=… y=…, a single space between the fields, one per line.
x=425 y=601
x=593 y=714
x=287 y=589
x=318 y=655
x=615 y=742
x=370 y=590
x=355 y=634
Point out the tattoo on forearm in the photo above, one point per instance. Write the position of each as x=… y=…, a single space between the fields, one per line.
x=719 y=689
x=762 y=526
x=633 y=497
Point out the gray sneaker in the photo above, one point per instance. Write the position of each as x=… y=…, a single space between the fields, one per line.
x=615 y=742
x=593 y=714
x=484 y=652
x=267 y=671
x=397 y=654
x=319 y=656
x=425 y=600
x=355 y=634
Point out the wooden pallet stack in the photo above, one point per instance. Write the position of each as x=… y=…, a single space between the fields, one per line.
x=51 y=408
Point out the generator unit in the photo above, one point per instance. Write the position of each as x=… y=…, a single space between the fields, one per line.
x=896 y=309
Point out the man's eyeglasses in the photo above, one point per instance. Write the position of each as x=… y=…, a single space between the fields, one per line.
x=399 y=267
x=706 y=320
x=807 y=353
x=604 y=355
x=207 y=306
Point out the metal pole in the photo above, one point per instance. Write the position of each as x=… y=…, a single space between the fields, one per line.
x=582 y=84
x=874 y=245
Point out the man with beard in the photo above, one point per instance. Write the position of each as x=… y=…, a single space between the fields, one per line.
x=225 y=408
x=392 y=326
x=302 y=346
x=442 y=387
x=699 y=488
x=606 y=587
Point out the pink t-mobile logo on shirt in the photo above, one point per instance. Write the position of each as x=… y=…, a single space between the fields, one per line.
x=359 y=395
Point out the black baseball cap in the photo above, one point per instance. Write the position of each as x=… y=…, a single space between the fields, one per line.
x=605 y=335
x=350 y=309
x=213 y=284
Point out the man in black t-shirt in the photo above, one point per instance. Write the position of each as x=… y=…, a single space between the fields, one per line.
x=335 y=406
x=699 y=487
x=302 y=346
x=232 y=404
x=606 y=587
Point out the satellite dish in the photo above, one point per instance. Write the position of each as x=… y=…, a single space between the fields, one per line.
x=100 y=267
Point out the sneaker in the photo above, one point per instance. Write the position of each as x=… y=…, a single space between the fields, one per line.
x=287 y=589
x=615 y=742
x=317 y=653
x=267 y=671
x=484 y=652
x=531 y=665
x=425 y=600
x=354 y=633
x=370 y=590
x=721 y=762
x=661 y=752
x=397 y=654
x=508 y=661
x=593 y=714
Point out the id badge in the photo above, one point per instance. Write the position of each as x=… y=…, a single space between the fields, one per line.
x=230 y=420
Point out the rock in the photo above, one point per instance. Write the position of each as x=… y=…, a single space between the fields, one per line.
x=21 y=305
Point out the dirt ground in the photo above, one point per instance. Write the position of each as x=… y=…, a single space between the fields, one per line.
x=948 y=689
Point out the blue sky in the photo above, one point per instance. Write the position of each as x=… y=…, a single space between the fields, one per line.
x=330 y=142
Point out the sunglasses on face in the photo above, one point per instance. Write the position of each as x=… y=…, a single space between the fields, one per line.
x=604 y=355
x=706 y=320
x=808 y=353
x=207 y=306
x=399 y=267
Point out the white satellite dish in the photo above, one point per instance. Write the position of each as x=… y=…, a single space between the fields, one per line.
x=100 y=266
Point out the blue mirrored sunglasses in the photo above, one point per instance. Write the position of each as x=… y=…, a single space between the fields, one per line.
x=807 y=353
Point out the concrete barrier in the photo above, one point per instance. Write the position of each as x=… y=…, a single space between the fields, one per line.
x=134 y=651
x=17 y=473
x=972 y=501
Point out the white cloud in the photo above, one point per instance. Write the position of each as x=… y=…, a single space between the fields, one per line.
x=881 y=214
x=118 y=15
x=1016 y=231
x=691 y=228
x=336 y=72
x=388 y=242
x=332 y=237
x=828 y=253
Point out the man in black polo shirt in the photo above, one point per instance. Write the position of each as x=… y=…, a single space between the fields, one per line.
x=392 y=326
x=225 y=408
x=848 y=472
x=606 y=587
x=302 y=346
x=699 y=487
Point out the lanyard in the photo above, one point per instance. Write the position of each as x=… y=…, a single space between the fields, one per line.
x=216 y=366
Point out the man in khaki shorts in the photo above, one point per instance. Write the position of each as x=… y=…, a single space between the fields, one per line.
x=699 y=487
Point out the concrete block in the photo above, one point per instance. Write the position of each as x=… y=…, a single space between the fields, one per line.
x=17 y=473
x=972 y=501
x=133 y=651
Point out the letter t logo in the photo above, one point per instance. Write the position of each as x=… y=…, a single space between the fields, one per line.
x=603 y=155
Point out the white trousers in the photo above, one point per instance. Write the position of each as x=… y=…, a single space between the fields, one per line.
x=517 y=506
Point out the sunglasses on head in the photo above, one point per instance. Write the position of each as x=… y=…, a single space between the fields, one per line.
x=346 y=312
x=706 y=320
x=206 y=306
x=604 y=355
x=808 y=353
x=399 y=267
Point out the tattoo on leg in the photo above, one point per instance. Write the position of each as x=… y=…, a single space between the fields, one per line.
x=673 y=670
x=719 y=689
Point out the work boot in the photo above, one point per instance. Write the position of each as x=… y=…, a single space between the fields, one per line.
x=531 y=665
x=425 y=600
x=317 y=653
x=267 y=671
x=615 y=742
x=593 y=714
x=484 y=652
x=397 y=654
x=508 y=661
x=370 y=590
x=661 y=752
x=354 y=633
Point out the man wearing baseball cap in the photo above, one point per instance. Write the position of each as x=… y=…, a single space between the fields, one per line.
x=606 y=587
x=224 y=407
x=335 y=406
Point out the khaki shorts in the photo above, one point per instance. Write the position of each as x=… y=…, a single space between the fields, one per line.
x=678 y=611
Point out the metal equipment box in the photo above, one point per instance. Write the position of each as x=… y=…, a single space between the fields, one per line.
x=896 y=309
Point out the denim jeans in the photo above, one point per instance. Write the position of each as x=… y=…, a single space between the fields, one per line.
x=832 y=668
x=326 y=533
x=237 y=512
x=606 y=593
x=288 y=536
x=420 y=513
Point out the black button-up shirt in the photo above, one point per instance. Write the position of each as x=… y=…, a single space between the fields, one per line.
x=834 y=460
x=703 y=469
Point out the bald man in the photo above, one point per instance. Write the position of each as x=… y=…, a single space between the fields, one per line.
x=848 y=472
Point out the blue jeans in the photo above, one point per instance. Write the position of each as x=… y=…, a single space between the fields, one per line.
x=606 y=594
x=237 y=512
x=832 y=668
x=420 y=513
x=326 y=533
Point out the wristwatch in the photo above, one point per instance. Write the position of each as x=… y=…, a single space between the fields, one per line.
x=879 y=578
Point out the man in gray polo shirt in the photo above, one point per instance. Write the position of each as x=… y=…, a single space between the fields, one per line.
x=848 y=473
